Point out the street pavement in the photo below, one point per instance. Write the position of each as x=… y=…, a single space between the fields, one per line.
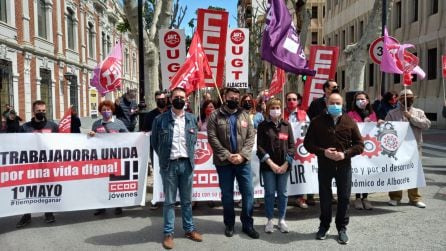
x=385 y=227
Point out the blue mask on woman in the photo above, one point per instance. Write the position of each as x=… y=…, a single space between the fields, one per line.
x=335 y=110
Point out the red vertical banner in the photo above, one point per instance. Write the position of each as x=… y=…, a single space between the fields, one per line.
x=443 y=66
x=323 y=59
x=212 y=25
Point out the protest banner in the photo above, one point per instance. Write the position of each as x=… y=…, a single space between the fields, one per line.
x=389 y=162
x=172 y=53
x=67 y=172
x=237 y=58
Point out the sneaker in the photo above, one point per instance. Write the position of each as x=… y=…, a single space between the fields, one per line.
x=358 y=204
x=283 y=227
x=322 y=233
x=342 y=237
x=229 y=230
x=25 y=220
x=311 y=201
x=118 y=211
x=49 y=218
x=251 y=232
x=269 y=227
x=168 y=241
x=419 y=204
x=367 y=204
x=153 y=206
x=392 y=203
x=301 y=203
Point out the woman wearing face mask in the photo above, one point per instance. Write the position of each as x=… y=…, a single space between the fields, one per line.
x=247 y=103
x=275 y=149
x=107 y=124
x=206 y=109
x=362 y=112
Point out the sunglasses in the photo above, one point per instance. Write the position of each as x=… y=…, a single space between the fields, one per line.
x=292 y=99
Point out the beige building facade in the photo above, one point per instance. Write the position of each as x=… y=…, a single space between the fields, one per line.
x=49 y=48
x=418 y=22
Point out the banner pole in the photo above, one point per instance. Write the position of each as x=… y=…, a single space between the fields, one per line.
x=218 y=90
x=405 y=97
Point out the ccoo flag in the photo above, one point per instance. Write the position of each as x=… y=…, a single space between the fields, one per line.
x=107 y=74
x=65 y=122
x=281 y=43
x=191 y=75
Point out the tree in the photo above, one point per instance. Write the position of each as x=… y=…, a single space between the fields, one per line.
x=158 y=14
x=357 y=53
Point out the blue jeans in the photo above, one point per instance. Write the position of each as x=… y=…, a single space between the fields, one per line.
x=179 y=175
x=272 y=183
x=227 y=175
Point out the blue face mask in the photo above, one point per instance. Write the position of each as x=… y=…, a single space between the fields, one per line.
x=335 y=110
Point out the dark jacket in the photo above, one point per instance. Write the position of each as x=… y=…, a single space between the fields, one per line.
x=317 y=107
x=39 y=127
x=277 y=142
x=75 y=124
x=383 y=109
x=125 y=112
x=162 y=134
x=344 y=136
x=219 y=135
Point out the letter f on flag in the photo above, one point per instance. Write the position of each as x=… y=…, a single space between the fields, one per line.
x=191 y=74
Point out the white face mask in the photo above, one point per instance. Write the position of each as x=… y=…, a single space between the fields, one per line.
x=275 y=113
x=361 y=103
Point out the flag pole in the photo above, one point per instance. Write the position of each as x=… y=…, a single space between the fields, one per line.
x=218 y=90
x=405 y=97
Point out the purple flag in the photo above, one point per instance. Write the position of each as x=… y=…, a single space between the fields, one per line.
x=280 y=43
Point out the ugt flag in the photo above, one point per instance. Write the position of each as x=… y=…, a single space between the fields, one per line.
x=107 y=74
x=65 y=122
x=281 y=43
x=191 y=75
x=277 y=83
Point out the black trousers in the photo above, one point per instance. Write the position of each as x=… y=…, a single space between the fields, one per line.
x=343 y=178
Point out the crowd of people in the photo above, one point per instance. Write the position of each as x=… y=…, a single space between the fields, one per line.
x=232 y=123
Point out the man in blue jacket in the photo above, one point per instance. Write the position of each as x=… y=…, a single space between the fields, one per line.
x=174 y=135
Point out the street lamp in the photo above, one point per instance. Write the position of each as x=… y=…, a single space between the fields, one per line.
x=142 y=103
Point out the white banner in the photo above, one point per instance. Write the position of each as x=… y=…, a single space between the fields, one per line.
x=172 y=53
x=237 y=58
x=390 y=162
x=66 y=172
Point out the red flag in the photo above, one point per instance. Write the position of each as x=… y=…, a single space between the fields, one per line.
x=444 y=65
x=277 y=83
x=107 y=74
x=65 y=122
x=191 y=74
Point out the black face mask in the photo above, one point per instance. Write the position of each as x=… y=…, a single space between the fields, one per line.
x=40 y=116
x=247 y=105
x=232 y=104
x=161 y=103
x=178 y=103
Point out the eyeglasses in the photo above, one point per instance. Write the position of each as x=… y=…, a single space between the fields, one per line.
x=292 y=99
x=179 y=97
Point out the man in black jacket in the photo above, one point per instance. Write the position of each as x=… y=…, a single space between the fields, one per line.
x=335 y=138
x=319 y=106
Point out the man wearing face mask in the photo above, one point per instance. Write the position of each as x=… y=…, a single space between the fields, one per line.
x=174 y=135
x=127 y=109
x=335 y=138
x=231 y=136
x=418 y=122
x=319 y=106
x=38 y=124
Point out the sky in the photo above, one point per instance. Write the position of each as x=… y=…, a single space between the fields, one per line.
x=193 y=5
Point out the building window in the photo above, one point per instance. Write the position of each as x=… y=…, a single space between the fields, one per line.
x=323 y=11
x=104 y=46
x=414 y=76
x=3 y=12
x=134 y=65
x=415 y=11
x=108 y=45
x=70 y=29
x=398 y=15
x=6 y=87
x=432 y=63
x=343 y=80
x=313 y=37
x=337 y=40
x=371 y=74
x=314 y=12
x=74 y=99
x=361 y=29
x=46 y=93
x=352 y=34
x=329 y=41
x=127 y=61
x=396 y=78
x=41 y=19
x=344 y=39
x=91 y=42
x=434 y=7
